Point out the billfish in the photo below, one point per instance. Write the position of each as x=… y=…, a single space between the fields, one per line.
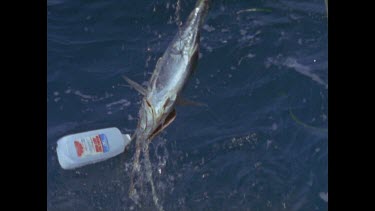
x=170 y=76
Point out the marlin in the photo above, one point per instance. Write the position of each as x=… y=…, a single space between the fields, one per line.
x=170 y=76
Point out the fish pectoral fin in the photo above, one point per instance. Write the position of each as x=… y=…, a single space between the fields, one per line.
x=184 y=102
x=168 y=120
x=135 y=85
x=194 y=58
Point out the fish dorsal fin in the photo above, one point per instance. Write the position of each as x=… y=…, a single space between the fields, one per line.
x=170 y=118
x=184 y=102
x=135 y=85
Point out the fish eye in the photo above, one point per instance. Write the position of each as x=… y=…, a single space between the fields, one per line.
x=148 y=103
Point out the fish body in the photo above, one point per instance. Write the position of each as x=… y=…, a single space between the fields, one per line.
x=162 y=93
x=171 y=74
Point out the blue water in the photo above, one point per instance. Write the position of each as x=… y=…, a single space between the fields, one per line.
x=261 y=144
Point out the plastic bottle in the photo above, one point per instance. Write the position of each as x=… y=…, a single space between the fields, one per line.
x=80 y=149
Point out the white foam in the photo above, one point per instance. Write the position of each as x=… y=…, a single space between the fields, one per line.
x=304 y=70
x=324 y=117
x=130 y=117
x=122 y=102
x=208 y=28
x=208 y=48
x=324 y=196
x=78 y=93
x=269 y=142
x=291 y=62
x=250 y=55
x=274 y=126
x=86 y=98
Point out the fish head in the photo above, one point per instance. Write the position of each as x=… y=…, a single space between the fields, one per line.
x=155 y=115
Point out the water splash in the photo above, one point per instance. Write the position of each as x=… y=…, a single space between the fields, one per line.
x=141 y=174
x=142 y=168
x=177 y=14
x=149 y=177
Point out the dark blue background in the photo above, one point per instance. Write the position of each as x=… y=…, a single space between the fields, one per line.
x=261 y=144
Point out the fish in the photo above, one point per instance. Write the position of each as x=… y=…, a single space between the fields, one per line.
x=170 y=76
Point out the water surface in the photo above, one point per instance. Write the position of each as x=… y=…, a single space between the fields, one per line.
x=261 y=144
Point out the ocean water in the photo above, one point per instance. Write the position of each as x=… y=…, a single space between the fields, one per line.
x=260 y=144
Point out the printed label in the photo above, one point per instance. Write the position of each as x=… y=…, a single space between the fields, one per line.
x=91 y=145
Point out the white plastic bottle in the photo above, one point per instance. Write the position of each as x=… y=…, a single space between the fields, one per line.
x=80 y=149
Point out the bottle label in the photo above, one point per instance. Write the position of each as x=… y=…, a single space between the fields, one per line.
x=91 y=145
